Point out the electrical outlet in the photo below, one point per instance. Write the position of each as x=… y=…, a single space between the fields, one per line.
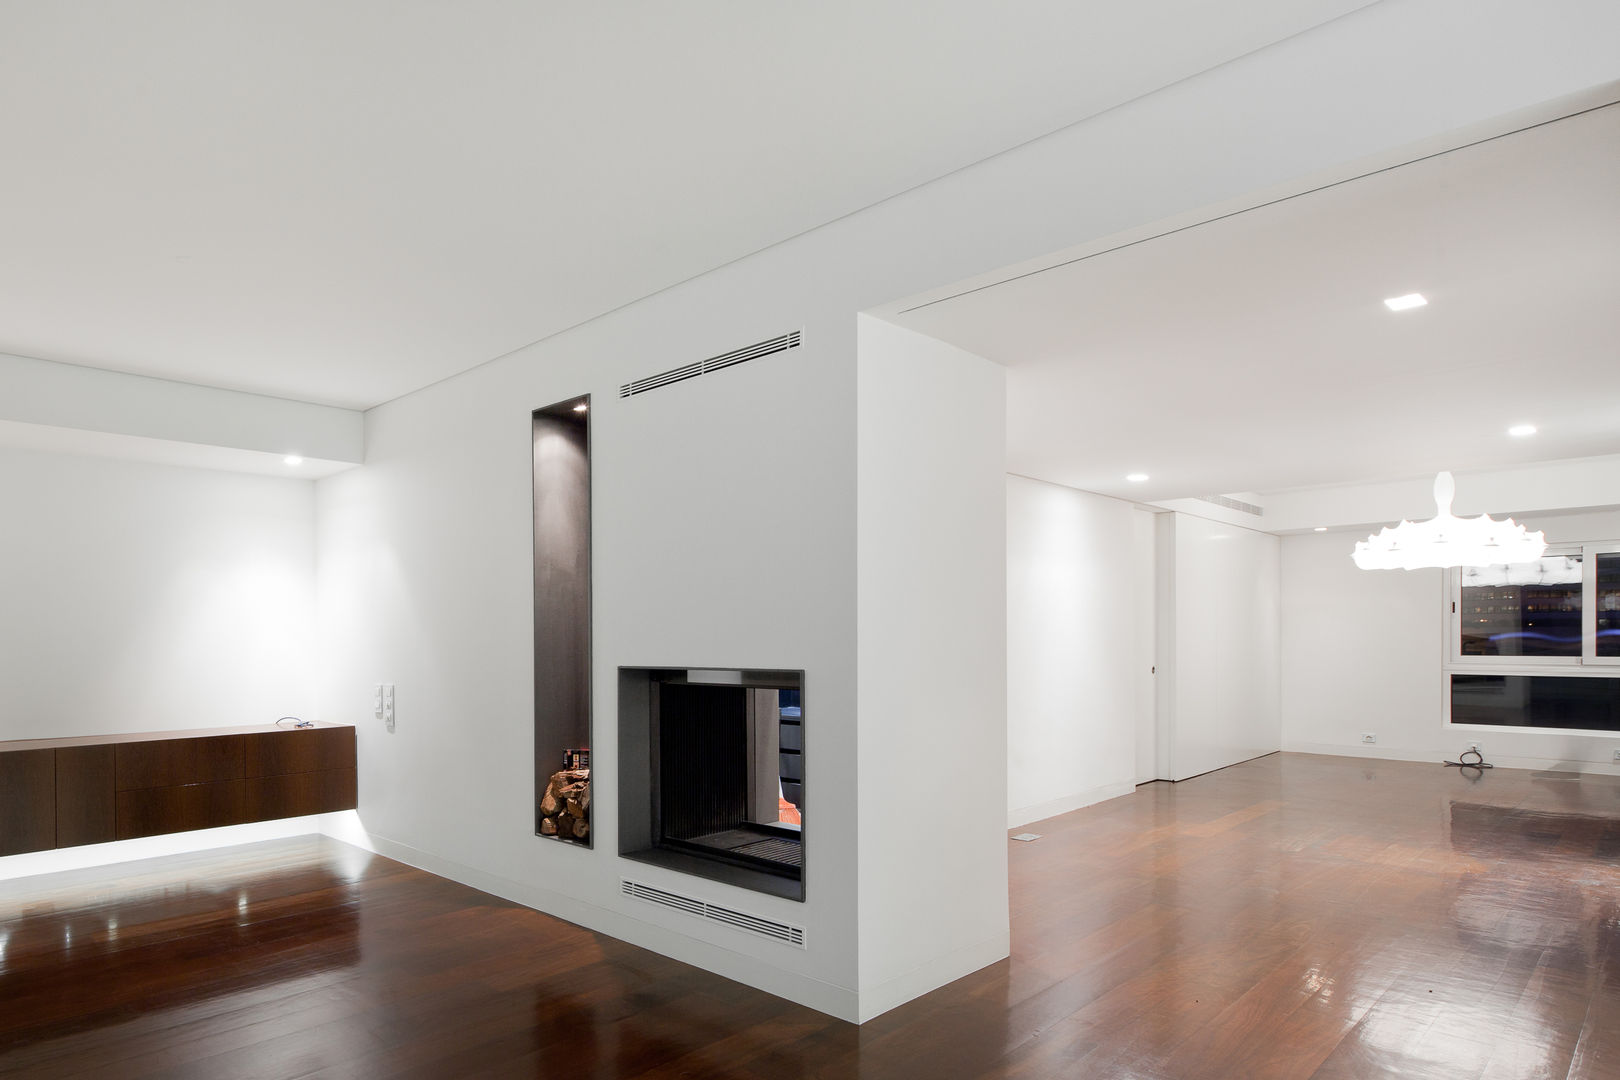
x=1617 y=753
x=388 y=706
x=1476 y=748
x=1368 y=737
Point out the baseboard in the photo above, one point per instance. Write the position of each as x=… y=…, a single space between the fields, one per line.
x=933 y=975
x=1024 y=815
x=837 y=1001
x=1436 y=756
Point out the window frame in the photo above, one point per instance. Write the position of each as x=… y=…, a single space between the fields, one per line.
x=1523 y=665
x=1589 y=608
x=1588 y=664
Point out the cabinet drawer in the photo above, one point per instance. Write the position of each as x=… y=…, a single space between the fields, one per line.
x=297 y=794
x=299 y=750
x=152 y=811
x=173 y=762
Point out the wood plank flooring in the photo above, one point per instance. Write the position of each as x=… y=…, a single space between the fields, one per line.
x=1293 y=916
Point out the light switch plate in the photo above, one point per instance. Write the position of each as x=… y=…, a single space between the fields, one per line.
x=388 y=705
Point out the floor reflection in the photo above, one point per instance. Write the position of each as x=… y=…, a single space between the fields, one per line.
x=1293 y=916
x=156 y=940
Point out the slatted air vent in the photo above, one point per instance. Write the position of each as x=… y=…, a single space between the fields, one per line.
x=1233 y=504
x=782 y=343
x=753 y=924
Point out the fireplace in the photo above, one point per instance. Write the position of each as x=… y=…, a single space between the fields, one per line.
x=711 y=774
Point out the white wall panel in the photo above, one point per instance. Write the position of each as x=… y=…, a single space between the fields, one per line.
x=1223 y=598
x=1074 y=646
x=932 y=626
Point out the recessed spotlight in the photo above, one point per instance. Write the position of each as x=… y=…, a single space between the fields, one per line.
x=581 y=407
x=292 y=459
x=1520 y=431
x=1405 y=303
x=1137 y=477
x=1320 y=528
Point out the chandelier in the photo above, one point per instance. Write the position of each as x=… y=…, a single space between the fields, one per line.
x=1445 y=540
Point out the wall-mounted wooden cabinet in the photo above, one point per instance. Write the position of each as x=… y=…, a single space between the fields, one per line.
x=66 y=792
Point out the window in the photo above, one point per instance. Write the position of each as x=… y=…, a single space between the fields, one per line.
x=1536 y=645
x=1562 y=610
x=1606 y=604
x=1524 y=609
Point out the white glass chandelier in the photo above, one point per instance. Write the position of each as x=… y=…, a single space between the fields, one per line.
x=1445 y=540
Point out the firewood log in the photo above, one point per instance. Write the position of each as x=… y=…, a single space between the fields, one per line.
x=582 y=828
x=551 y=802
x=548 y=826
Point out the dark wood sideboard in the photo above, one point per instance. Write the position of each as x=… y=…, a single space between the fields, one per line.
x=65 y=792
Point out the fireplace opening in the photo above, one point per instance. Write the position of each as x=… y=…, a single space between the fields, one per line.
x=712 y=774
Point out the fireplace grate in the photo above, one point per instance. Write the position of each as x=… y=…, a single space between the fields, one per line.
x=751 y=843
x=741 y=920
x=787 y=852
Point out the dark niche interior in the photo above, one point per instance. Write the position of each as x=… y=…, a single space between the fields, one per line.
x=562 y=621
x=711 y=774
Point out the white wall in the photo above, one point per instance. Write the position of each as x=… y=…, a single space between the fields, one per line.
x=1362 y=652
x=141 y=416
x=1074 y=647
x=725 y=515
x=1219 y=590
x=932 y=610
x=142 y=597
x=723 y=536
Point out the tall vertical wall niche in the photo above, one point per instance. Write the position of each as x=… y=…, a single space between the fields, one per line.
x=562 y=621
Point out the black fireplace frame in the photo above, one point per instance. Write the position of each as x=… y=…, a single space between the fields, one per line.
x=641 y=833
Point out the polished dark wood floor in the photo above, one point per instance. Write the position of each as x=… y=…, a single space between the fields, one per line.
x=1294 y=916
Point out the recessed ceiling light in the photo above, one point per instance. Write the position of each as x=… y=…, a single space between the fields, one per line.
x=1519 y=431
x=1137 y=477
x=581 y=407
x=293 y=459
x=1320 y=528
x=1405 y=303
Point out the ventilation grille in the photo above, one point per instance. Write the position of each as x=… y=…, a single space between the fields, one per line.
x=1233 y=504
x=786 y=341
x=770 y=928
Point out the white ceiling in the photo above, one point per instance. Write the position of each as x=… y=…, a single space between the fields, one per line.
x=341 y=202
x=1254 y=353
